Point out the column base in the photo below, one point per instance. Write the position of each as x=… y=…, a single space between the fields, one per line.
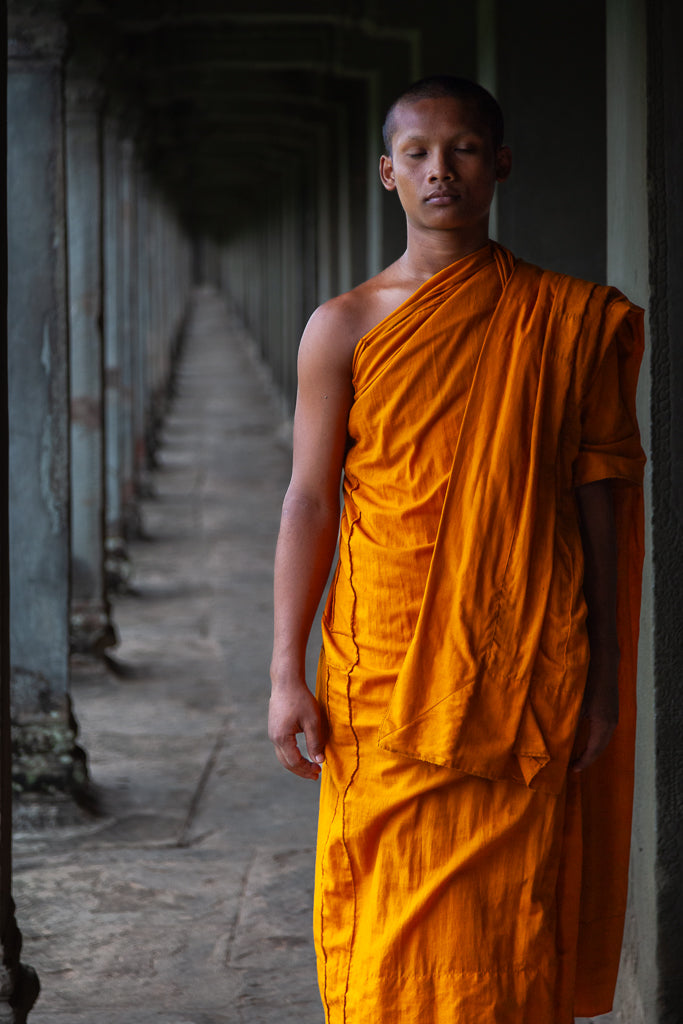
x=50 y=780
x=91 y=630
x=133 y=524
x=19 y=984
x=117 y=566
x=25 y=991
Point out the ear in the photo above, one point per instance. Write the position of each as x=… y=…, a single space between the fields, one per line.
x=386 y=173
x=503 y=162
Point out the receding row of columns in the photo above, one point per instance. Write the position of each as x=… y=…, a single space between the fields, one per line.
x=323 y=229
x=274 y=260
x=99 y=277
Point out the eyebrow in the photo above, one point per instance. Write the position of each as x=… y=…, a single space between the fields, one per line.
x=458 y=135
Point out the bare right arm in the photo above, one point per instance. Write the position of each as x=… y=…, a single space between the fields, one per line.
x=308 y=531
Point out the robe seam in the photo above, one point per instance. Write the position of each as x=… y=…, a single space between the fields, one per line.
x=329 y=613
x=352 y=527
x=322 y=870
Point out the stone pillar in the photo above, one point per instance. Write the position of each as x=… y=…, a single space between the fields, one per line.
x=325 y=230
x=486 y=71
x=117 y=564
x=272 y=273
x=627 y=269
x=552 y=209
x=47 y=759
x=665 y=194
x=289 y=278
x=91 y=628
x=139 y=367
x=153 y=254
x=375 y=255
x=160 y=262
x=127 y=314
x=343 y=193
x=18 y=984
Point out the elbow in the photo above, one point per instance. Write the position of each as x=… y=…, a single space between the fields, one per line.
x=310 y=507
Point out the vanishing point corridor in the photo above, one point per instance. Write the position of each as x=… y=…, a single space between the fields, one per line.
x=189 y=900
x=185 y=184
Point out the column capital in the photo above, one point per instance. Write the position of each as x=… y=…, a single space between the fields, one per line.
x=36 y=31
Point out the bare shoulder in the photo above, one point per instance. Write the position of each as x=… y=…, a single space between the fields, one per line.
x=325 y=381
x=330 y=333
x=336 y=327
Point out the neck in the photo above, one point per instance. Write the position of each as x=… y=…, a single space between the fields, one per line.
x=429 y=252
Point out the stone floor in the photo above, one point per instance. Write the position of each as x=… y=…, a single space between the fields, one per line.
x=188 y=901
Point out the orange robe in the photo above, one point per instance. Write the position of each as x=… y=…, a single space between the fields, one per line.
x=463 y=876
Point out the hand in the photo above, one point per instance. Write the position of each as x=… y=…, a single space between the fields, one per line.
x=293 y=709
x=599 y=711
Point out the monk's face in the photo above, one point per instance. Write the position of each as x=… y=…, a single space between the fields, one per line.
x=444 y=165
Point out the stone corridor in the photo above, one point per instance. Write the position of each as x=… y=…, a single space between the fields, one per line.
x=188 y=900
x=155 y=147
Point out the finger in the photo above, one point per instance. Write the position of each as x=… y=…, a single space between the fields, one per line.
x=304 y=769
x=288 y=751
x=315 y=740
x=581 y=739
x=589 y=747
x=291 y=758
x=598 y=738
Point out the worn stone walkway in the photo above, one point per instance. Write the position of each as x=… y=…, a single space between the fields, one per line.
x=189 y=901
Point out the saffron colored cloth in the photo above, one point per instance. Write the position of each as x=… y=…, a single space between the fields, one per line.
x=463 y=875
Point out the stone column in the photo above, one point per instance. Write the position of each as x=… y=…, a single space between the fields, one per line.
x=159 y=260
x=140 y=370
x=117 y=564
x=665 y=195
x=343 y=227
x=18 y=984
x=552 y=209
x=91 y=628
x=627 y=269
x=129 y=335
x=47 y=759
x=325 y=233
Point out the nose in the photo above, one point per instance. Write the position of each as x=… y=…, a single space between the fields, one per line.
x=441 y=168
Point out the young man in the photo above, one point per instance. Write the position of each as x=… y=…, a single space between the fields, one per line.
x=474 y=823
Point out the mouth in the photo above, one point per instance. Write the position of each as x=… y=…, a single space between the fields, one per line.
x=442 y=198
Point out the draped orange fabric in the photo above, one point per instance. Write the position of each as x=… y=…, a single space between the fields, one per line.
x=462 y=874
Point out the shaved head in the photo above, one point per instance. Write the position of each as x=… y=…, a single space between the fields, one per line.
x=440 y=86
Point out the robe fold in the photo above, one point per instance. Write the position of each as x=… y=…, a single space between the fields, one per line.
x=463 y=875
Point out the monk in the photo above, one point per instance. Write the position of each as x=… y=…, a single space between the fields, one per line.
x=473 y=720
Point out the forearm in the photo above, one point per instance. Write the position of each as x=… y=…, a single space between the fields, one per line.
x=305 y=548
x=600 y=707
x=598 y=532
